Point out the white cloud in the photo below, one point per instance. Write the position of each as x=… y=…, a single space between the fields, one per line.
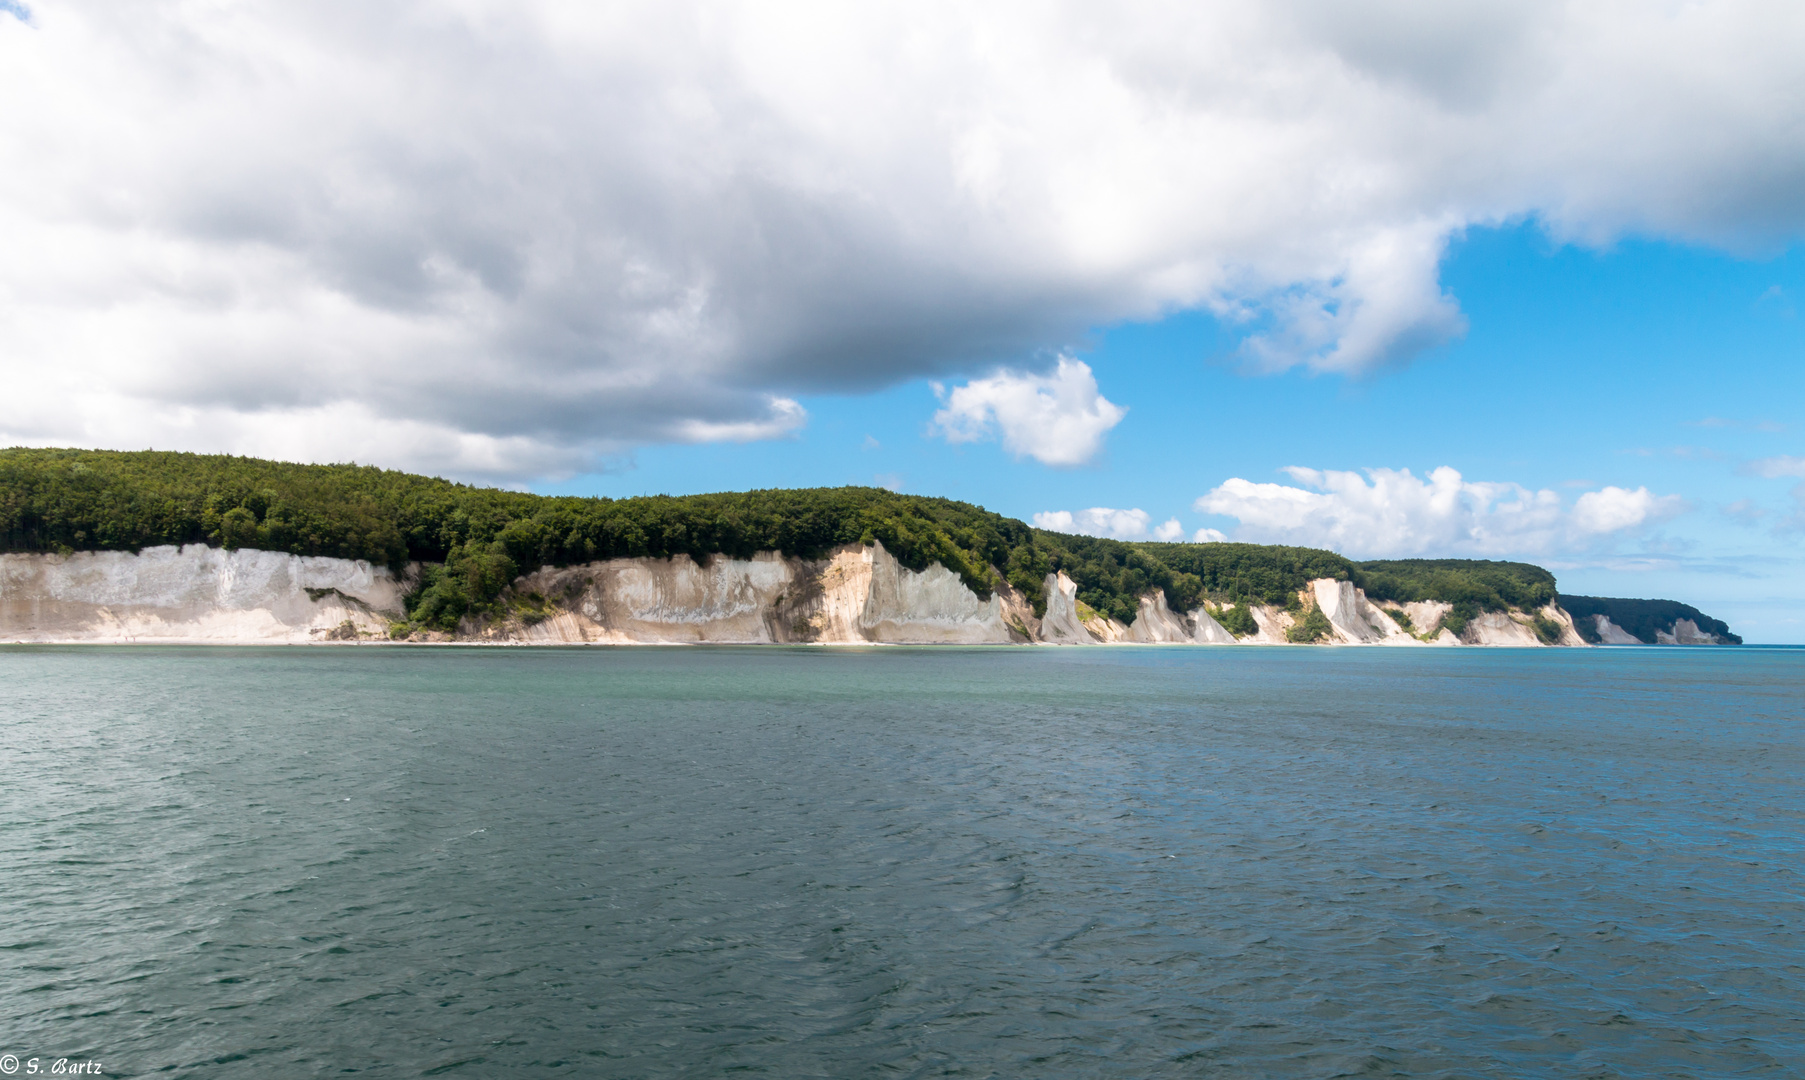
x=1775 y=468
x=1057 y=419
x=782 y=417
x=554 y=229
x=1391 y=512
x=1784 y=467
x=1746 y=511
x=1208 y=536
x=1114 y=524
x=1615 y=509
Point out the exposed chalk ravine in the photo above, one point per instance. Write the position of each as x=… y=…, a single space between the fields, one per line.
x=859 y=594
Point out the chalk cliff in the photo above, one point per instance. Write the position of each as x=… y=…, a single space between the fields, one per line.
x=858 y=594
x=194 y=594
x=1686 y=632
x=1683 y=632
x=1608 y=620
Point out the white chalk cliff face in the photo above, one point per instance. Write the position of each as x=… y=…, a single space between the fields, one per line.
x=194 y=594
x=857 y=595
x=1061 y=624
x=1355 y=621
x=1609 y=633
x=1157 y=624
x=1206 y=630
x=1683 y=632
x=1426 y=617
x=1686 y=632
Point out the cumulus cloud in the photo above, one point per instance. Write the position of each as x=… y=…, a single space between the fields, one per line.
x=1057 y=419
x=1136 y=524
x=523 y=234
x=1390 y=512
x=1615 y=509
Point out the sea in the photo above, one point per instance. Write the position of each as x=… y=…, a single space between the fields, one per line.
x=1113 y=862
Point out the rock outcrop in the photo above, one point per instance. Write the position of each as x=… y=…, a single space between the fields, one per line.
x=1069 y=622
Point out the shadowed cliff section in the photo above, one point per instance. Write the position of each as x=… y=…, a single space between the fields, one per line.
x=1649 y=622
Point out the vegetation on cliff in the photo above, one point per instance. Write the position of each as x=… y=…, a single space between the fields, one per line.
x=1472 y=586
x=1641 y=618
x=65 y=500
x=1313 y=627
x=1481 y=583
x=1237 y=620
x=479 y=539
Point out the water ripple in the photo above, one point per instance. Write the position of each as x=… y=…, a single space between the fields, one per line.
x=903 y=862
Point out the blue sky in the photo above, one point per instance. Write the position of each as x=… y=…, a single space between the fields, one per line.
x=1641 y=364
x=1503 y=279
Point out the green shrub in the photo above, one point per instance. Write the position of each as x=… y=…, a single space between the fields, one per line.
x=1547 y=629
x=1237 y=620
x=1314 y=626
x=1456 y=620
x=467 y=584
x=1402 y=618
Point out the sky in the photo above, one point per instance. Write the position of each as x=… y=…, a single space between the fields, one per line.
x=1515 y=280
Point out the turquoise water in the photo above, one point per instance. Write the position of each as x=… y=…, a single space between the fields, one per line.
x=904 y=862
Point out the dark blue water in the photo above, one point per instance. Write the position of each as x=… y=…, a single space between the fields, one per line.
x=904 y=862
